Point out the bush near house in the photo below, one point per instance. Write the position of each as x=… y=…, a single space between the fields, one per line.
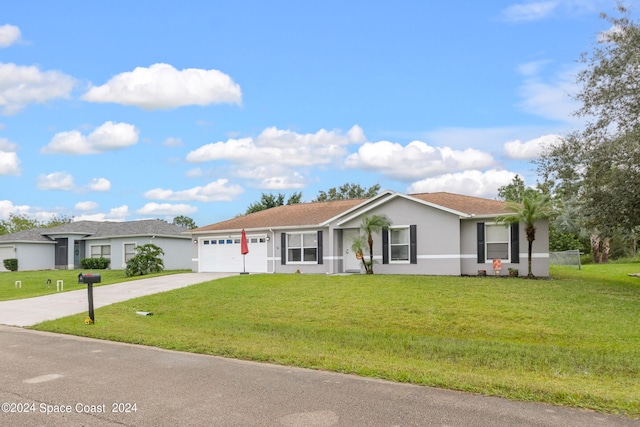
x=95 y=263
x=146 y=261
x=11 y=264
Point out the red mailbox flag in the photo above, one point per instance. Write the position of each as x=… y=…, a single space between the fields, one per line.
x=244 y=248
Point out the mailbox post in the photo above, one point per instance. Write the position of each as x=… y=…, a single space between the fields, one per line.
x=89 y=279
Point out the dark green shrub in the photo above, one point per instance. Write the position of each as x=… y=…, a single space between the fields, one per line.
x=11 y=264
x=147 y=260
x=95 y=263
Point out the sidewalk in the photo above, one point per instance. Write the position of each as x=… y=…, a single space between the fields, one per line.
x=29 y=311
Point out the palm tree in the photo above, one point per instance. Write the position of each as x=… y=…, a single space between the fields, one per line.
x=535 y=206
x=369 y=226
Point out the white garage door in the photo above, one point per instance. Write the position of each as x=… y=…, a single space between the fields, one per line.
x=6 y=252
x=222 y=255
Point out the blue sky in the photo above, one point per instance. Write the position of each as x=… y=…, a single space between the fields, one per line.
x=125 y=110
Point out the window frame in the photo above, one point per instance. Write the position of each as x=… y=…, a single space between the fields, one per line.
x=126 y=256
x=487 y=242
x=101 y=254
x=303 y=246
x=407 y=244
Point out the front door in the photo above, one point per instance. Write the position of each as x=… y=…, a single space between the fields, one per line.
x=351 y=263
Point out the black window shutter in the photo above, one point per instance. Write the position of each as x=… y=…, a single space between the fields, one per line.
x=385 y=246
x=283 y=248
x=515 y=243
x=320 y=252
x=480 y=226
x=413 y=244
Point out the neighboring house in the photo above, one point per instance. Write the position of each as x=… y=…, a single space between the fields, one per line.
x=431 y=233
x=64 y=246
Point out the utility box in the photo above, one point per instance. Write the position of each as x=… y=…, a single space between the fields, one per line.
x=89 y=278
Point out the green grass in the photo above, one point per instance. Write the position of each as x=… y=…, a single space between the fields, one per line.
x=573 y=340
x=34 y=283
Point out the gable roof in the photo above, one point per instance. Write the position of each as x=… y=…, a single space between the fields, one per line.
x=298 y=214
x=317 y=213
x=99 y=230
x=472 y=206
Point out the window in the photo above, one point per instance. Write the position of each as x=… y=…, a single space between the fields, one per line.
x=129 y=251
x=101 y=251
x=399 y=244
x=302 y=247
x=497 y=241
x=206 y=242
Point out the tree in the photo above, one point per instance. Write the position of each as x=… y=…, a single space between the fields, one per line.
x=348 y=191
x=515 y=191
x=20 y=222
x=184 y=222
x=271 y=200
x=369 y=226
x=600 y=164
x=146 y=261
x=534 y=207
x=17 y=222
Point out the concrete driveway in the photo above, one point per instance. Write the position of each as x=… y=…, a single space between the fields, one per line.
x=29 y=311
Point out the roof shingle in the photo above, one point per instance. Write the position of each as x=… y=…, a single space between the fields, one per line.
x=313 y=214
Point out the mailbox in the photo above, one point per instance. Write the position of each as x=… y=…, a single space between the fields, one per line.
x=89 y=278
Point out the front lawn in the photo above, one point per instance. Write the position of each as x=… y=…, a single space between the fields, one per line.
x=44 y=282
x=573 y=340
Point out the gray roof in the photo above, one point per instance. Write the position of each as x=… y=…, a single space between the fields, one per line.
x=99 y=230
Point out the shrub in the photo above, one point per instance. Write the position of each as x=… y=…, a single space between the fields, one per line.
x=95 y=263
x=11 y=264
x=147 y=260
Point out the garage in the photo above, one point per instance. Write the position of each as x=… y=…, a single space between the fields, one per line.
x=6 y=252
x=223 y=255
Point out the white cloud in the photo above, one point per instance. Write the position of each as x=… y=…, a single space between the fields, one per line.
x=194 y=173
x=216 y=191
x=9 y=34
x=173 y=142
x=166 y=209
x=9 y=162
x=470 y=183
x=7 y=208
x=294 y=181
x=21 y=85
x=529 y=150
x=6 y=145
x=272 y=177
x=86 y=206
x=415 y=160
x=281 y=147
x=119 y=213
x=56 y=181
x=99 y=184
x=550 y=99
x=161 y=86
x=65 y=182
x=531 y=11
x=532 y=68
x=109 y=136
